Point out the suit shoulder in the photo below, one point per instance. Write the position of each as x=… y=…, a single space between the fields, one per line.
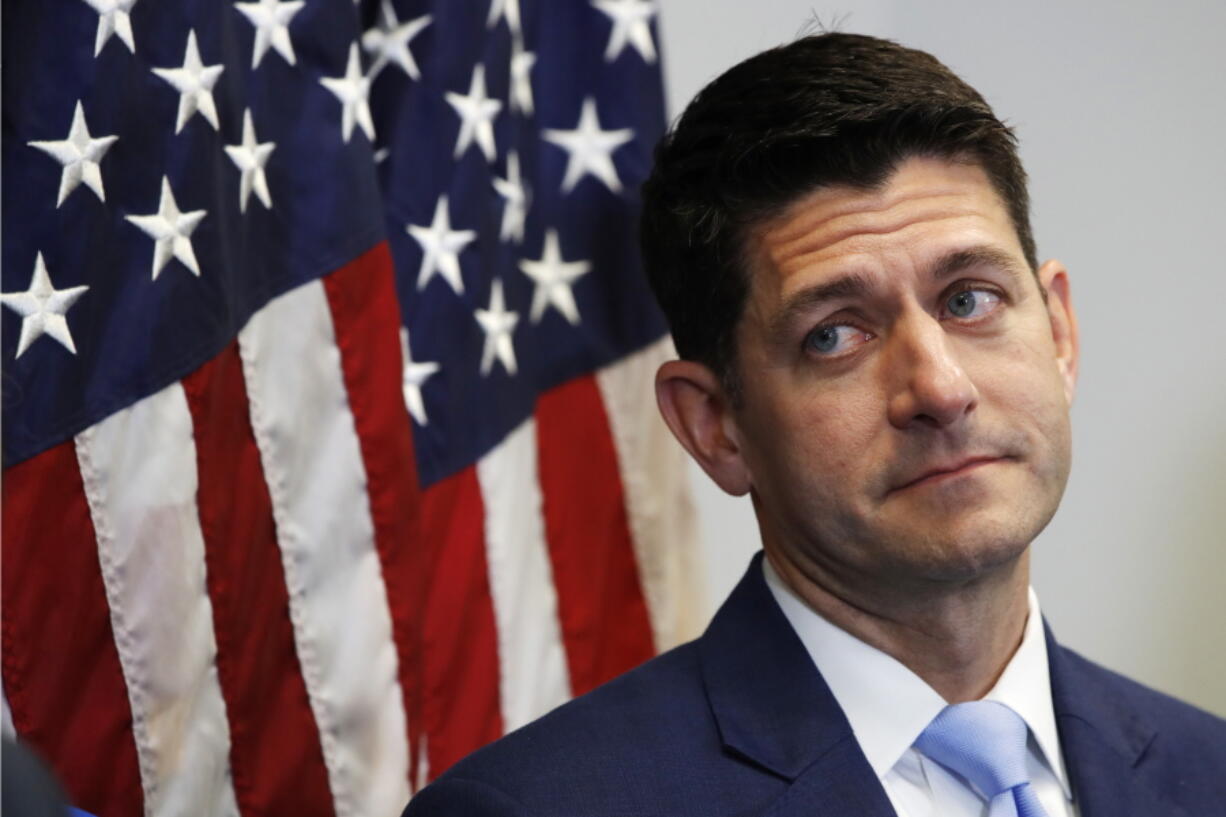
x=1177 y=718
x=660 y=703
x=457 y=795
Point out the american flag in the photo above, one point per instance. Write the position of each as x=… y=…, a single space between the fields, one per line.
x=329 y=441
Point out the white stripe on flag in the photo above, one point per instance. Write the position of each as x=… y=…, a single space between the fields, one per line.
x=139 y=470
x=654 y=476
x=317 y=481
x=531 y=656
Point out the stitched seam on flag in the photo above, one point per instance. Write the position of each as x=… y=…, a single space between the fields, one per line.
x=358 y=361
x=595 y=567
x=501 y=637
x=304 y=640
x=223 y=466
x=640 y=503
x=360 y=703
x=664 y=537
x=95 y=495
x=460 y=663
x=509 y=607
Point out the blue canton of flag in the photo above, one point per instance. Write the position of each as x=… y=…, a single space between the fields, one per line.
x=190 y=160
x=513 y=144
x=131 y=163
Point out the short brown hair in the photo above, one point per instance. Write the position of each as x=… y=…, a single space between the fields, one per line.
x=827 y=109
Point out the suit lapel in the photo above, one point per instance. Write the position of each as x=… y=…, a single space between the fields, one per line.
x=775 y=712
x=1104 y=742
x=839 y=784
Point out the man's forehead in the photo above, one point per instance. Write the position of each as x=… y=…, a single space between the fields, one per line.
x=926 y=200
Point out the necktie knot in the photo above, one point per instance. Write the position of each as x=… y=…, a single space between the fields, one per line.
x=985 y=742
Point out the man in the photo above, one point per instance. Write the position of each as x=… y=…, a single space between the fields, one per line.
x=838 y=232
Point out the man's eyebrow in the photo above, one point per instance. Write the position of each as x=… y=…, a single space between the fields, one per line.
x=852 y=285
x=979 y=256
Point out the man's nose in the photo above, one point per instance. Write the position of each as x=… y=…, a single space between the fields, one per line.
x=929 y=386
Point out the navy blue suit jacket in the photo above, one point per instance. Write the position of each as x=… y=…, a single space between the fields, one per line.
x=740 y=722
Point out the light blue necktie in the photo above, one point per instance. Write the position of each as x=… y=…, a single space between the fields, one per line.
x=985 y=742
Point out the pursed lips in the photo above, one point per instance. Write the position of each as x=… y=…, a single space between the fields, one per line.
x=947 y=470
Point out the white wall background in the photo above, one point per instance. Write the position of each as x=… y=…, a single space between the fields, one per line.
x=1121 y=111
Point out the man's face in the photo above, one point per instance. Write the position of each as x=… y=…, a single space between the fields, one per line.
x=906 y=387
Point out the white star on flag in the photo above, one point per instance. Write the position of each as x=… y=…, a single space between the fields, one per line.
x=440 y=246
x=504 y=8
x=352 y=90
x=171 y=232
x=80 y=154
x=521 y=81
x=194 y=81
x=590 y=148
x=553 y=277
x=42 y=308
x=271 y=20
x=250 y=157
x=415 y=374
x=498 y=324
x=389 y=42
x=516 y=210
x=630 y=25
x=477 y=112
x=113 y=19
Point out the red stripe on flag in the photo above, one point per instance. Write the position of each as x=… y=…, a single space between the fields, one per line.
x=462 y=701
x=366 y=318
x=605 y=625
x=275 y=753
x=62 y=674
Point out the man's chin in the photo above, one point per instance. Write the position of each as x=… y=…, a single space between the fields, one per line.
x=962 y=547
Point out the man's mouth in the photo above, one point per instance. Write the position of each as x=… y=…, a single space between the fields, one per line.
x=947 y=471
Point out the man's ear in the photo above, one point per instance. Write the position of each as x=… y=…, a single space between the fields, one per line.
x=696 y=408
x=1053 y=278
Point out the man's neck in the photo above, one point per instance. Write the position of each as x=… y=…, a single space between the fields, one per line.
x=958 y=637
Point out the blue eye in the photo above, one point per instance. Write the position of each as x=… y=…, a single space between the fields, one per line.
x=829 y=340
x=971 y=303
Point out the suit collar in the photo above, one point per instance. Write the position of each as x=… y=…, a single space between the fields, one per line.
x=1106 y=741
x=773 y=709
x=1078 y=696
x=769 y=701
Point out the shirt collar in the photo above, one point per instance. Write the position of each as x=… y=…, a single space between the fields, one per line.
x=1025 y=687
x=888 y=705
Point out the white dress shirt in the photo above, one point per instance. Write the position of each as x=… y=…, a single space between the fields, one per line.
x=888 y=706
